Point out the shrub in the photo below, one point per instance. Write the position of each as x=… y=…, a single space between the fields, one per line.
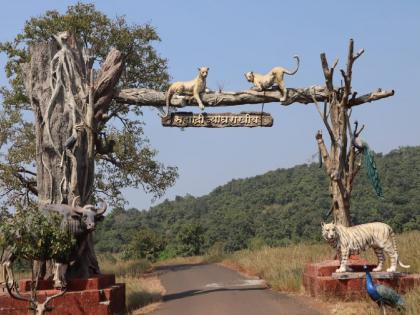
x=145 y=244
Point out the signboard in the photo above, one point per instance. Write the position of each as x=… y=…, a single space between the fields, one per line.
x=218 y=120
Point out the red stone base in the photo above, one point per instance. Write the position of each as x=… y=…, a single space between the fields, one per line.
x=94 y=296
x=320 y=280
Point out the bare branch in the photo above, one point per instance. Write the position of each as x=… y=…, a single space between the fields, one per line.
x=324 y=118
x=328 y=73
x=359 y=53
x=29 y=184
x=360 y=131
x=24 y=170
x=107 y=80
x=324 y=152
x=334 y=64
x=148 y=97
x=373 y=96
x=350 y=59
x=110 y=159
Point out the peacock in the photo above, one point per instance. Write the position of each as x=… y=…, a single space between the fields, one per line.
x=382 y=294
x=369 y=157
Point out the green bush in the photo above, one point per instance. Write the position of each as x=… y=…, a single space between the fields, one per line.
x=35 y=235
x=170 y=251
x=190 y=240
x=144 y=244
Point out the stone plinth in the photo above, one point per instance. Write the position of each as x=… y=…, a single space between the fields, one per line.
x=321 y=280
x=94 y=296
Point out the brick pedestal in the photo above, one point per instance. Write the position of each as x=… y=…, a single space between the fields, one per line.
x=320 y=279
x=94 y=296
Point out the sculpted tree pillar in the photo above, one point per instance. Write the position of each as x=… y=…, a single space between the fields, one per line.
x=60 y=84
x=342 y=162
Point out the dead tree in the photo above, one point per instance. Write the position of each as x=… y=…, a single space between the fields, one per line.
x=341 y=161
x=65 y=96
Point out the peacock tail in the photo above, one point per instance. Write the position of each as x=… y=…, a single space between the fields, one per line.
x=372 y=171
x=390 y=296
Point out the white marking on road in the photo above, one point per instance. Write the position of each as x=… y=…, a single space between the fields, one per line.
x=214 y=285
x=242 y=283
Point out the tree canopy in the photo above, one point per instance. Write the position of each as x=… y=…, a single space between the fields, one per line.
x=129 y=160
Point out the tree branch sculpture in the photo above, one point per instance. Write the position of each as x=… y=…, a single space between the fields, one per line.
x=148 y=97
x=64 y=96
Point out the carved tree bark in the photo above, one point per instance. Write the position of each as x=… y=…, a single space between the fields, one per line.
x=64 y=98
x=341 y=163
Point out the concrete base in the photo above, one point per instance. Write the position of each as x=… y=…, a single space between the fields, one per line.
x=94 y=296
x=321 y=280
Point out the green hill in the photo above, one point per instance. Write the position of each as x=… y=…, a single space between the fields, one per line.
x=276 y=208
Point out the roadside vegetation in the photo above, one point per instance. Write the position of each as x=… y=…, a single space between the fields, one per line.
x=282 y=268
x=142 y=288
x=269 y=225
x=279 y=208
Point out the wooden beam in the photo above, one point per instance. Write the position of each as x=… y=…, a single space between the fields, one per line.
x=148 y=97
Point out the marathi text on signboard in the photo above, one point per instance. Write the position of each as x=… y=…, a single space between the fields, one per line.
x=218 y=120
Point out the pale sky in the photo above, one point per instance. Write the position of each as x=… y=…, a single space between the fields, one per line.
x=232 y=37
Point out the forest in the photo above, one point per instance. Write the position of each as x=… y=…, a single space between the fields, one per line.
x=277 y=208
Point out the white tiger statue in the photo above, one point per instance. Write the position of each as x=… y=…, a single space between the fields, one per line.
x=351 y=240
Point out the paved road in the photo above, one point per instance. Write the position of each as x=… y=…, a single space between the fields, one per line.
x=213 y=290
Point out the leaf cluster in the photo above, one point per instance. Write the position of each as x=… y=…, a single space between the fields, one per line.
x=34 y=235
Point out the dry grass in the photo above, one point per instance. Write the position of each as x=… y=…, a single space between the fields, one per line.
x=111 y=264
x=181 y=261
x=143 y=293
x=367 y=307
x=409 y=251
x=282 y=268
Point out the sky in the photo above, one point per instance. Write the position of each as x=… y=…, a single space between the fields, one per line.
x=233 y=37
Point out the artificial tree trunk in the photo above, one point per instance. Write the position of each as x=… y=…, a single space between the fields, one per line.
x=64 y=98
x=341 y=163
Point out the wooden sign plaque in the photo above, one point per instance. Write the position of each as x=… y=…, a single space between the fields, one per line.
x=218 y=120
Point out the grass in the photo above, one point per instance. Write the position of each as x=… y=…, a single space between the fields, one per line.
x=112 y=264
x=140 y=290
x=282 y=268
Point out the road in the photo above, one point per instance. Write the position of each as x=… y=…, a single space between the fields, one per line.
x=210 y=289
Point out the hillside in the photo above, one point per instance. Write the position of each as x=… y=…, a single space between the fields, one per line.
x=276 y=208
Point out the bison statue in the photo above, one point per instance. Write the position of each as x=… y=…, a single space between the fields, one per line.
x=80 y=222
